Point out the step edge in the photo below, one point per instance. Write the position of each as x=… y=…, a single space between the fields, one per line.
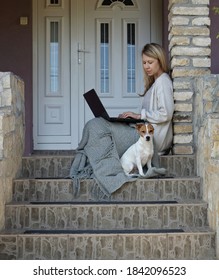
x=22 y=233
x=178 y=178
x=105 y=203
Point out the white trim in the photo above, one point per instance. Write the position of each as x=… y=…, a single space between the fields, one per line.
x=35 y=75
x=77 y=76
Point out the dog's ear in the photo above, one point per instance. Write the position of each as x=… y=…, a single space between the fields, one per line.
x=138 y=126
x=151 y=128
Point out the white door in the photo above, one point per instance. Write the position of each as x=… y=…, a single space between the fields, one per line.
x=52 y=97
x=80 y=45
x=115 y=32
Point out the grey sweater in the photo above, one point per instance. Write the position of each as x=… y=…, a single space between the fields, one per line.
x=158 y=108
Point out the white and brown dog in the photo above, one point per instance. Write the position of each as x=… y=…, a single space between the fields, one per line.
x=140 y=153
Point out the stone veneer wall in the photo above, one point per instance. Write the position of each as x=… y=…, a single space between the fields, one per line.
x=206 y=134
x=11 y=135
x=189 y=45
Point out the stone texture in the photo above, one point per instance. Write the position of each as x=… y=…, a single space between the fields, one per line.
x=189 y=72
x=206 y=123
x=182 y=117
x=58 y=167
x=183 y=149
x=107 y=216
x=146 y=190
x=180 y=62
x=183 y=95
x=201 y=41
x=183 y=139
x=44 y=166
x=191 y=215
x=182 y=107
x=181 y=246
x=179 y=20
x=200 y=21
x=190 y=11
x=138 y=246
x=180 y=2
x=189 y=37
x=182 y=84
x=201 y=2
x=11 y=135
x=201 y=62
x=189 y=48
x=184 y=128
x=179 y=41
x=189 y=31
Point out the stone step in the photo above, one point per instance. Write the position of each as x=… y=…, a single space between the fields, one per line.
x=141 y=189
x=58 y=166
x=106 y=215
x=188 y=245
x=51 y=218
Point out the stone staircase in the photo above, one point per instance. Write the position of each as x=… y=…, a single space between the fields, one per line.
x=160 y=218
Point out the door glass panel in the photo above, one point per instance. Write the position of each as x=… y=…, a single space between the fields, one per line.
x=54 y=2
x=54 y=57
x=104 y=57
x=131 y=58
x=125 y=2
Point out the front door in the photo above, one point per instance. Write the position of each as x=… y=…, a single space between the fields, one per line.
x=83 y=44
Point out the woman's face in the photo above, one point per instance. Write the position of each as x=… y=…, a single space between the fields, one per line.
x=151 y=66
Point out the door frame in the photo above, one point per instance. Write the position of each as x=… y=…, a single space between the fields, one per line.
x=77 y=83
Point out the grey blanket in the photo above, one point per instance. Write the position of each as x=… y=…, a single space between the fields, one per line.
x=98 y=155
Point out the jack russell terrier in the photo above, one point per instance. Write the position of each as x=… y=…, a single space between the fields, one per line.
x=140 y=153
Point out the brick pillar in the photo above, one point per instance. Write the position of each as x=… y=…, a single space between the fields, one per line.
x=189 y=45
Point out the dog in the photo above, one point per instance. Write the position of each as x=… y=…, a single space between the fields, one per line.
x=140 y=153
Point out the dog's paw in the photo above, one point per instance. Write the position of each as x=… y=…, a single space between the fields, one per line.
x=133 y=175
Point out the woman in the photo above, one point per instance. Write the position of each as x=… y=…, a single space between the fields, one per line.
x=157 y=105
x=103 y=143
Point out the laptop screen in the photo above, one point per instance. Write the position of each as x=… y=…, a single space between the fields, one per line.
x=95 y=104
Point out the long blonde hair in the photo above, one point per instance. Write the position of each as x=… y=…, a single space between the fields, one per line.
x=155 y=51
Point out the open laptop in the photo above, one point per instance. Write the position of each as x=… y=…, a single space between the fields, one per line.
x=99 y=110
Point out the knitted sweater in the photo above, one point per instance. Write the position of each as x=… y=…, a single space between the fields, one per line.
x=159 y=111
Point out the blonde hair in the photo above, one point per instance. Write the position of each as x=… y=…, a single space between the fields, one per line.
x=155 y=51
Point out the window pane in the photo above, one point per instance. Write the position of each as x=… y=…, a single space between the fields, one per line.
x=54 y=2
x=128 y=3
x=109 y=2
x=104 y=57
x=54 y=57
x=131 y=55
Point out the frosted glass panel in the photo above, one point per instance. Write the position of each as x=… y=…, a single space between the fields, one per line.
x=131 y=58
x=54 y=57
x=104 y=57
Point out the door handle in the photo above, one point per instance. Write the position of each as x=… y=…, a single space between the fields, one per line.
x=80 y=50
x=83 y=51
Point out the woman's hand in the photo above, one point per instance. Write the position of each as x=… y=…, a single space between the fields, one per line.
x=130 y=115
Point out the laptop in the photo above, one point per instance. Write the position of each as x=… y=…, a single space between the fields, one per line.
x=99 y=110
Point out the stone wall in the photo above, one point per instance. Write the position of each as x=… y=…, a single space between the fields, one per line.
x=190 y=51
x=11 y=135
x=206 y=135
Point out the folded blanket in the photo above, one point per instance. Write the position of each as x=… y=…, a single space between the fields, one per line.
x=98 y=156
